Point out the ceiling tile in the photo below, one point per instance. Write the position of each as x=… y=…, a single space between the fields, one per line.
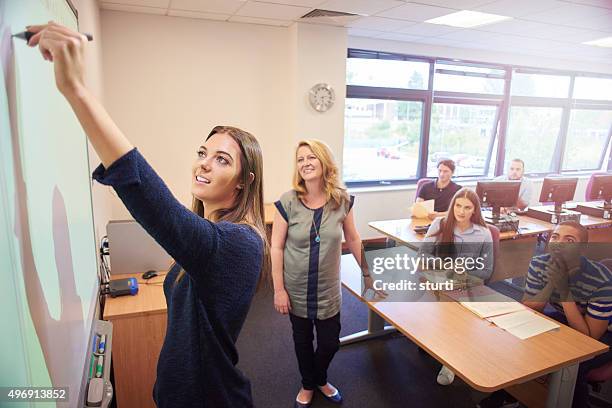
x=597 y=3
x=427 y=30
x=416 y=12
x=378 y=23
x=542 y=30
x=447 y=42
x=198 y=14
x=365 y=7
x=456 y=4
x=468 y=35
x=602 y=22
x=208 y=6
x=516 y=26
x=133 y=9
x=399 y=37
x=274 y=11
x=144 y=3
x=303 y=3
x=565 y=14
x=518 y=8
x=261 y=21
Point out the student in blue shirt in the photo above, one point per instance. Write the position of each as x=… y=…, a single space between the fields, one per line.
x=579 y=290
x=219 y=247
x=463 y=232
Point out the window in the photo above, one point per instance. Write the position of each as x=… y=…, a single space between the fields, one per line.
x=532 y=136
x=382 y=139
x=462 y=133
x=468 y=79
x=387 y=73
x=587 y=139
x=404 y=113
x=550 y=86
x=593 y=88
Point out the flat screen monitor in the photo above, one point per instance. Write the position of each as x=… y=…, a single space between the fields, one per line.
x=497 y=194
x=558 y=190
x=601 y=189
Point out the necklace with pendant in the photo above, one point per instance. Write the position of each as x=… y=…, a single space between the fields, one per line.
x=317 y=237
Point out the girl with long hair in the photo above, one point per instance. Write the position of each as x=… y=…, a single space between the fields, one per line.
x=306 y=251
x=461 y=233
x=219 y=248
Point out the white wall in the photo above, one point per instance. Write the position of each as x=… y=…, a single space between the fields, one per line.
x=170 y=80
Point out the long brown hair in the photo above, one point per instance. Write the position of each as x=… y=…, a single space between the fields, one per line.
x=334 y=190
x=447 y=225
x=248 y=207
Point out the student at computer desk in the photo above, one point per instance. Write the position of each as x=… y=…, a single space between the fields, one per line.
x=441 y=190
x=579 y=290
x=516 y=172
x=219 y=247
x=462 y=233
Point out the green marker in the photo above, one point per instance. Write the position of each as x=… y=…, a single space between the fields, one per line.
x=91 y=366
x=99 y=366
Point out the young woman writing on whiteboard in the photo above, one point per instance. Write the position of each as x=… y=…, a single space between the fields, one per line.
x=219 y=247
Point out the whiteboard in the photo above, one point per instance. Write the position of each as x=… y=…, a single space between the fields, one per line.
x=48 y=261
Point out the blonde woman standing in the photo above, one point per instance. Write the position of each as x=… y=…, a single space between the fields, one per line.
x=306 y=249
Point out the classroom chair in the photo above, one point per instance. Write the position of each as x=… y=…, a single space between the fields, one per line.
x=419 y=185
x=589 y=186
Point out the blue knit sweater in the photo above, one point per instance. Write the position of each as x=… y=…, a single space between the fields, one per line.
x=207 y=307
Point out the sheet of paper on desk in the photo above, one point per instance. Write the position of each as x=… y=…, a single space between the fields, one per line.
x=492 y=308
x=422 y=208
x=523 y=324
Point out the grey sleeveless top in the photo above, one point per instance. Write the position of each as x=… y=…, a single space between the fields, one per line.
x=312 y=256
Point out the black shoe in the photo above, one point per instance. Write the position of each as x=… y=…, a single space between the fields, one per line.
x=499 y=399
x=298 y=404
x=335 y=398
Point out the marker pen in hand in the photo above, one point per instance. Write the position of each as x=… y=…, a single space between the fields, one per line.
x=26 y=35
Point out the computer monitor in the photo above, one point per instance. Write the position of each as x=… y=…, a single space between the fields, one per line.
x=558 y=190
x=601 y=189
x=497 y=194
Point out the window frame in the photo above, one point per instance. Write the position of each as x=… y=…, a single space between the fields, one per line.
x=503 y=101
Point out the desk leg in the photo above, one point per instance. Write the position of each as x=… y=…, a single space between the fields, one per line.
x=376 y=328
x=561 y=387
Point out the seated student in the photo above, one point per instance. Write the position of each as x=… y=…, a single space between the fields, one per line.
x=515 y=173
x=463 y=224
x=579 y=289
x=441 y=189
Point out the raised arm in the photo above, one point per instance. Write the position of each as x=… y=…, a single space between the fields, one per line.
x=185 y=236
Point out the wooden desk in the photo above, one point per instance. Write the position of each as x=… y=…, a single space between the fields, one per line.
x=600 y=230
x=139 y=328
x=483 y=355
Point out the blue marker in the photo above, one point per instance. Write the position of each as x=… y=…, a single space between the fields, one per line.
x=102 y=344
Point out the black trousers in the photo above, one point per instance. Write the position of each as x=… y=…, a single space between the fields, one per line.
x=313 y=364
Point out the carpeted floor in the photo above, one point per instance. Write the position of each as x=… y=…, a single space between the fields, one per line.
x=386 y=372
